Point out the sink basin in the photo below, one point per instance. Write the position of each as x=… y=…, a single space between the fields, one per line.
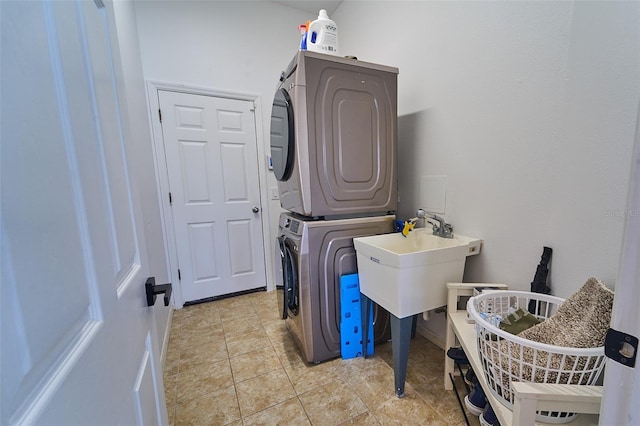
x=407 y=276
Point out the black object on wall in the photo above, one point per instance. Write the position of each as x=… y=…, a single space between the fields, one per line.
x=539 y=283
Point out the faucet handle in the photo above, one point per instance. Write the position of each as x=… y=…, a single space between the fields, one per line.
x=434 y=225
x=446 y=231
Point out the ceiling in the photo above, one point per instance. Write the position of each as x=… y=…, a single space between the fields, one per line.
x=311 y=6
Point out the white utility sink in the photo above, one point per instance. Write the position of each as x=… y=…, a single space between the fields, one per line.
x=407 y=276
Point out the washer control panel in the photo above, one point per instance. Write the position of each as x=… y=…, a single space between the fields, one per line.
x=290 y=224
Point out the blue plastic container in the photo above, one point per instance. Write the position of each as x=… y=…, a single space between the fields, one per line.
x=350 y=319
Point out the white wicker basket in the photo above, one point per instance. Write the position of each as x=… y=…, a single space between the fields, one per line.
x=506 y=357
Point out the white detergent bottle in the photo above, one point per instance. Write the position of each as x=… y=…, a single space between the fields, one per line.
x=322 y=35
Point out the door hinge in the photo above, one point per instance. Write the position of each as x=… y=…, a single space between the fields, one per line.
x=160 y=114
x=179 y=275
x=170 y=199
x=621 y=347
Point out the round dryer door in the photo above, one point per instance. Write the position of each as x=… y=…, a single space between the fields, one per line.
x=282 y=135
x=290 y=278
x=287 y=285
x=282 y=307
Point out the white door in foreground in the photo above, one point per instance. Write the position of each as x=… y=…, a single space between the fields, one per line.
x=78 y=341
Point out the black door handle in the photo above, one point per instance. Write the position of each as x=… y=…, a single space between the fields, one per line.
x=153 y=290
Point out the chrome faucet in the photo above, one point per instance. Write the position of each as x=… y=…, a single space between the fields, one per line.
x=441 y=228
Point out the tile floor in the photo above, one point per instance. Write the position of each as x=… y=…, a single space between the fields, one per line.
x=232 y=362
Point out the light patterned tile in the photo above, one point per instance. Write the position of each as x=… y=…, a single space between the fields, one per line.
x=171 y=394
x=425 y=361
x=202 y=312
x=372 y=379
x=281 y=340
x=336 y=366
x=275 y=330
x=219 y=407
x=199 y=378
x=289 y=412
x=411 y=409
x=364 y=419
x=241 y=343
x=444 y=403
x=263 y=391
x=198 y=332
x=305 y=377
x=267 y=298
x=241 y=325
x=254 y=363
x=172 y=362
x=291 y=358
x=199 y=375
x=236 y=302
x=332 y=404
x=209 y=350
x=209 y=318
x=173 y=350
x=268 y=313
x=360 y=366
x=235 y=307
x=239 y=313
x=170 y=387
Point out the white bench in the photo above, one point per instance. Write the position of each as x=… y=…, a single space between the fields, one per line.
x=528 y=397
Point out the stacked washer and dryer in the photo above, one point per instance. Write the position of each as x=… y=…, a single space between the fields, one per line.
x=333 y=151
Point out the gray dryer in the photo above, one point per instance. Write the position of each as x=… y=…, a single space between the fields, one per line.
x=334 y=136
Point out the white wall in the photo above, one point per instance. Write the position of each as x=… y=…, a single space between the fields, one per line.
x=239 y=46
x=137 y=125
x=529 y=109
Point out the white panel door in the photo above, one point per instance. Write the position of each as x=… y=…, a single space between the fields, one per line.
x=78 y=344
x=211 y=154
x=621 y=381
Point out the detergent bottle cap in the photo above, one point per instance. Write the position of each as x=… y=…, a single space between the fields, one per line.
x=323 y=14
x=303 y=35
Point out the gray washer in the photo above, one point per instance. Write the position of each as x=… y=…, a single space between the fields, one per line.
x=313 y=254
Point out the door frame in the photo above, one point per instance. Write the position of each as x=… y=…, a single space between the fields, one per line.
x=162 y=178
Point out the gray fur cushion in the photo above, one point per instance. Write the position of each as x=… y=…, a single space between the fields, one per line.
x=580 y=322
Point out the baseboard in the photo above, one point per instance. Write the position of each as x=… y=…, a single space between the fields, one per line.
x=165 y=340
x=430 y=335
